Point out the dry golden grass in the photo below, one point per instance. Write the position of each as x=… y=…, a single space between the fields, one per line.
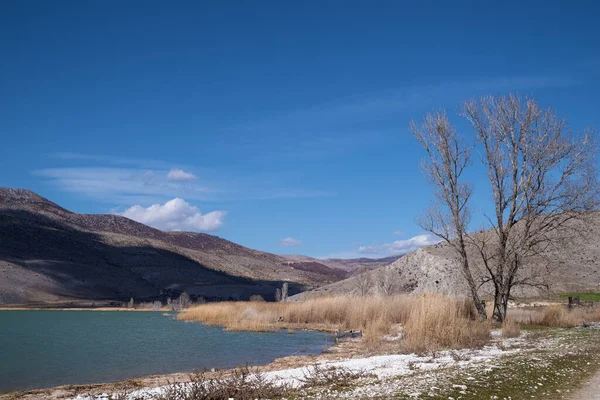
x=431 y=321
x=556 y=316
x=436 y=323
x=374 y=332
x=324 y=313
x=510 y=329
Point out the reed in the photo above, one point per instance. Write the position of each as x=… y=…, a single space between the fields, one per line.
x=555 y=316
x=324 y=313
x=436 y=322
x=430 y=322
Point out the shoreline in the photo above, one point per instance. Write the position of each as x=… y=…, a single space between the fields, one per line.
x=334 y=352
x=391 y=372
x=71 y=391
x=449 y=373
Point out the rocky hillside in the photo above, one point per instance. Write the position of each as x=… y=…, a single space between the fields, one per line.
x=572 y=266
x=345 y=267
x=49 y=254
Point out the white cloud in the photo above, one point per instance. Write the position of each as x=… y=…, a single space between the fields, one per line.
x=122 y=186
x=399 y=246
x=180 y=175
x=176 y=215
x=399 y=233
x=289 y=242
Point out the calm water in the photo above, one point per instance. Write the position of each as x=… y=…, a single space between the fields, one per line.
x=49 y=348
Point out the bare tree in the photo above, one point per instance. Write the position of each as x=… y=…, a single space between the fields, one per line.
x=363 y=282
x=449 y=217
x=277 y=294
x=542 y=176
x=386 y=282
x=284 y=291
x=184 y=300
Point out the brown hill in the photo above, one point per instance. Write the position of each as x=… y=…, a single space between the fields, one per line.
x=49 y=254
x=349 y=266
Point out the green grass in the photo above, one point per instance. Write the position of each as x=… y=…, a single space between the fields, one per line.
x=583 y=296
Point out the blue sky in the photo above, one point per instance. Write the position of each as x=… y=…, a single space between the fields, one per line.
x=279 y=125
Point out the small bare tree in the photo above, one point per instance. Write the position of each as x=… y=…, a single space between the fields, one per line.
x=284 y=291
x=542 y=176
x=363 y=282
x=184 y=300
x=449 y=217
x=386 y=282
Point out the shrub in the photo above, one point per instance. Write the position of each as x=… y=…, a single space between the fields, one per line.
x=242 y=384
x=331 y=377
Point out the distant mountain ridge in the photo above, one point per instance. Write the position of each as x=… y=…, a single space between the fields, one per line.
x=351 y=266
x=49 y=254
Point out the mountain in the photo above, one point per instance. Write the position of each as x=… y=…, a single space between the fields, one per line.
x=51 y=255
x=350 y=266
x=572 y=266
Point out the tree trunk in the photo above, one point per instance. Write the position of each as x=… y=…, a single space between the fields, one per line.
x=479 y=306
x=501 y=302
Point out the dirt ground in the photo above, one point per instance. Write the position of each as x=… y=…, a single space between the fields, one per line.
x=590 y=391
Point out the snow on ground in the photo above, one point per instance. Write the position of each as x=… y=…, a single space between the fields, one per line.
x=383 y=367
x=393 y=365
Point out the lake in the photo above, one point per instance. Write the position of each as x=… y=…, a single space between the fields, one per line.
x=49 y=348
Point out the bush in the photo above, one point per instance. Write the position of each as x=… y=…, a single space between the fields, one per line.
x=241 y=384
x=331 y=377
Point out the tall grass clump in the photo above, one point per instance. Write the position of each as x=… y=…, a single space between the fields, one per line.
x=436 y=322
x=556 y=316
x=510 y=329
